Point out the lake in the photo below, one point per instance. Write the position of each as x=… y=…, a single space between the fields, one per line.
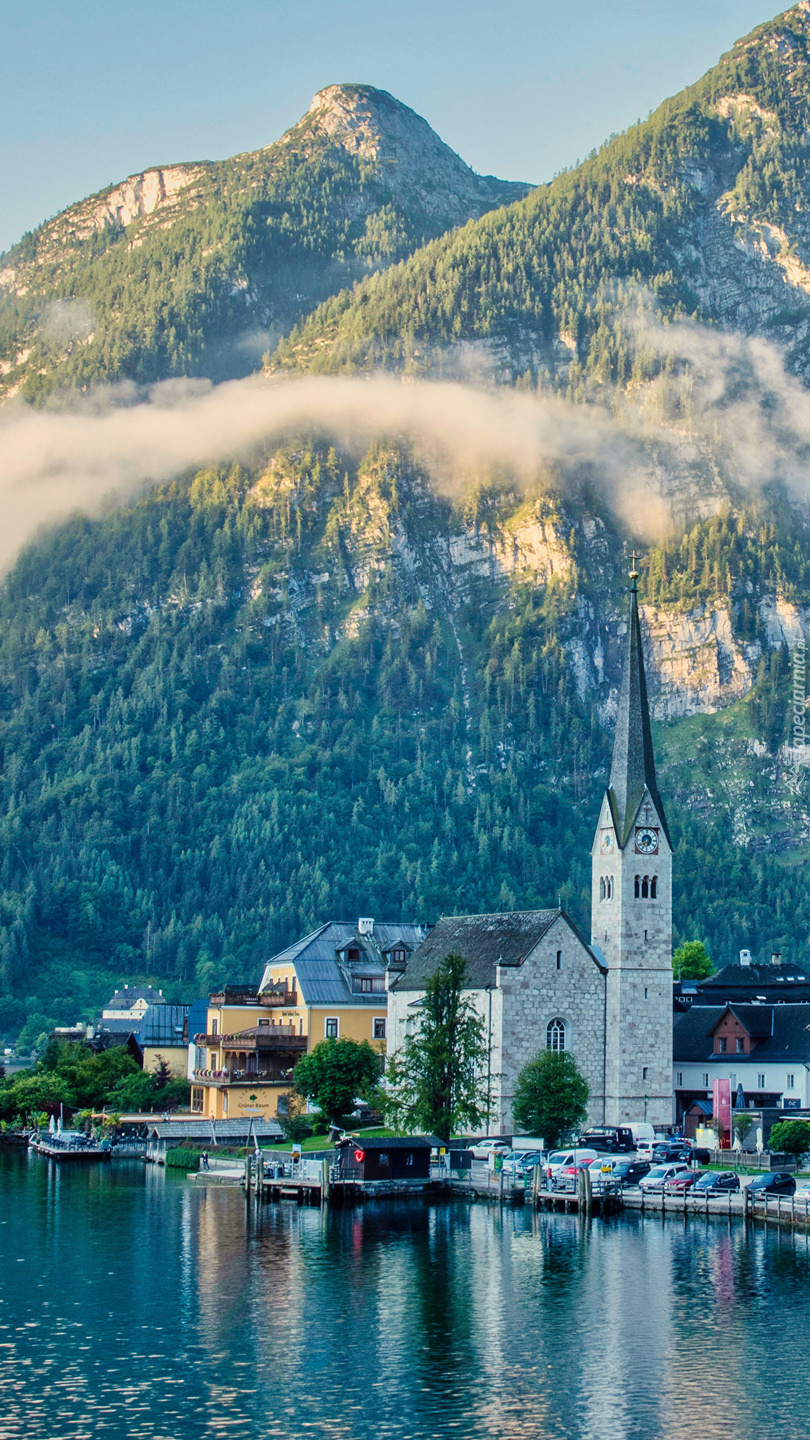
x=133 y=1303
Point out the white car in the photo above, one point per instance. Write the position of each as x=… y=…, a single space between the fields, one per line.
x=644 y=1148
x=657 y=1178
x=484 y=1148
x=559 y=1158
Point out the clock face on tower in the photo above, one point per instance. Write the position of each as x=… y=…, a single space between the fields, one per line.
x=646 y=841
x=606 y=842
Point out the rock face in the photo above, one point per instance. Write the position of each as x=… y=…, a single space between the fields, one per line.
x=409 y=158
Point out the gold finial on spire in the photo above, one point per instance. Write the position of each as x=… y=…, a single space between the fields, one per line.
x=634 y=572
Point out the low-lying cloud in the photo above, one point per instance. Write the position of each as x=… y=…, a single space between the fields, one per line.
x=725 y=405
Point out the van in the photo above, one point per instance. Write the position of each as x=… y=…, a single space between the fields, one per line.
x=641 y=1130
x=612 y=1139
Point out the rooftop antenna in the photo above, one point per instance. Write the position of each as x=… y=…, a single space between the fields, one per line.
x=634 y=574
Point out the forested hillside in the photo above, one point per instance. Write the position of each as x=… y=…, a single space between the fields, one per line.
x=309 y=685
x=195 y=269
x=254 y=700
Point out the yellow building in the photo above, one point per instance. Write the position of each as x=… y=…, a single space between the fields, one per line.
x=330 y=985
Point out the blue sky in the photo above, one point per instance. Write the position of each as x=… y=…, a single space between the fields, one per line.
x=92 y=90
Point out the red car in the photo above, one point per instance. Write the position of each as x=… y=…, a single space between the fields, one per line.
x=566 y=1178
x=684 y=1181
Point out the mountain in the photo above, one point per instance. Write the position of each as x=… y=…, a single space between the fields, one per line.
x=191 y=269
x=705 y=206
x=307 y=683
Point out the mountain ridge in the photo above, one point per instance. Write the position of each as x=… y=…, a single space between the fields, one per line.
x=172 y=270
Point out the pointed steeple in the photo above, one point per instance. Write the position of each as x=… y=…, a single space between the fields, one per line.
x=633 y=766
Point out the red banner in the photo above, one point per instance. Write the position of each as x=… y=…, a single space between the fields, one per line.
x=721 y=1107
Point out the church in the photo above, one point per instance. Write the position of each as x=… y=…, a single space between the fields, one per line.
x=534 y=980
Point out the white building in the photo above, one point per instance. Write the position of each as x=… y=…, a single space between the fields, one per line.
x=763 y=1048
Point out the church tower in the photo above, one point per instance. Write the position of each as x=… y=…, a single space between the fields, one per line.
x=631 y=909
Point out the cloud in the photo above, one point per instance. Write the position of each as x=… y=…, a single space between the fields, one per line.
x=724 y=413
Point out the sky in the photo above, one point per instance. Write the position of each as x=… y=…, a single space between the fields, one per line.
x=94 y=90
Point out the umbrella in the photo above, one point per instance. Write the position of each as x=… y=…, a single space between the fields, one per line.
x=739 y=1100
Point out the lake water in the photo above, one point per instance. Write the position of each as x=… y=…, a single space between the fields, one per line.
x=134 y=1304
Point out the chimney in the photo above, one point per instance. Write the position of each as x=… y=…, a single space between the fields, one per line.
x=365 y=925
x=745 y=957
x=776 y=958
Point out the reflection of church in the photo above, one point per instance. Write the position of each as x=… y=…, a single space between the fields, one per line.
x=534 y=980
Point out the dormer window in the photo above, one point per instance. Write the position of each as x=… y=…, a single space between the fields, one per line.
x=366 y=984
x=353 y=954
x=397 y=957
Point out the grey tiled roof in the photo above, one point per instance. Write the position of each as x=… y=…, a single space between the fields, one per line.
x=633 y=766
x=126 y=998
x=782 y=1032
x=161 y=1025
x=323 y=980
x=201 y=1129
x=775 y=984
x=484 y=941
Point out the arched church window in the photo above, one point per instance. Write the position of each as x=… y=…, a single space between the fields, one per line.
x=638 y=887
x=609 y=885
x=555 y=1035
x=653 y=886
x=645 y=888
x=602 y=887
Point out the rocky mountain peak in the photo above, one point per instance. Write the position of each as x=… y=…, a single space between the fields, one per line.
x=412 y=161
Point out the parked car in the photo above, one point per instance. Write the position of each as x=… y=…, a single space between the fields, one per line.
x=716 y=1182
x=656 y=1178
x=483 y=1148
x=518 y=1161
x=609 y=1139
x=684 y=1180
x=779 y=1183
x=668 y=1150
x=558 y=1158
x=567 y=1177
x=630 y=1172
x=644 y=1149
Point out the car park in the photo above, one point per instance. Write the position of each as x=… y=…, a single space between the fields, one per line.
x=780 y=1182
x=657 y=1176
x=716 y=1182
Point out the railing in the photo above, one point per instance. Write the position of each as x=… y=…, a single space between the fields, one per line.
x=254 y=997
x=241 y=1077
x=234 y=1041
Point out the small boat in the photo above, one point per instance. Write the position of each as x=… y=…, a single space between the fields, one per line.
x=68 y=1145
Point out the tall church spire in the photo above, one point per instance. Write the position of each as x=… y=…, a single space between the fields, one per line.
x=633 y=767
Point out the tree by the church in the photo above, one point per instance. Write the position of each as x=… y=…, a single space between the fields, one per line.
x=792 y=1137
x=435 y=1083
x=551 y=1097
x=335 y=1074
x=692 y=961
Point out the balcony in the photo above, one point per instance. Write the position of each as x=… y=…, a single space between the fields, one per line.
x=261 y=1037
x=241 y=1077
x=272 y=998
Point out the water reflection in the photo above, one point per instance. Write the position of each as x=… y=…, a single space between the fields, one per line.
x=135 y=1303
